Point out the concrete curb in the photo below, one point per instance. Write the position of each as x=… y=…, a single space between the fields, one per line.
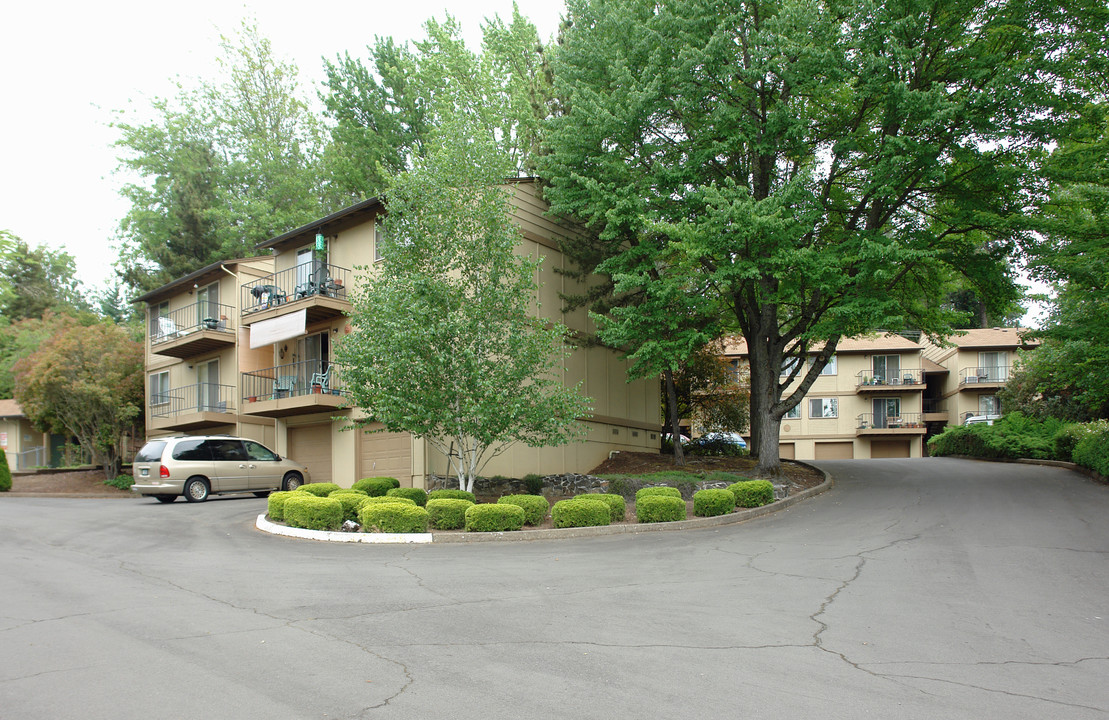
x=552 y=534
x=1092 y=474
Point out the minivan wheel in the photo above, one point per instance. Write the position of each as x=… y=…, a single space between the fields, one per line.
x=196 y=490
x=292 y=481
x=165 y=498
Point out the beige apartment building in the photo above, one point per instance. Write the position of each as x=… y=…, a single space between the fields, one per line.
x=245 y=347
x=883 y=396
x=977 y=365
x=23 y=445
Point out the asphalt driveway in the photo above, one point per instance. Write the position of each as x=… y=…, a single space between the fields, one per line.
x=930 y=588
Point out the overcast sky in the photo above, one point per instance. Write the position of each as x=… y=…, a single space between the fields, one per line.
x=65 y=67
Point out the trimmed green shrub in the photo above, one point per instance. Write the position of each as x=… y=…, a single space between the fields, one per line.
x=616 y=507
x=451 y=495
x=494 y=517
x=375 y=486
x=663 y=491
x=713 y=502
x=5 y=472
x=1013 y=436
x=535 y=507
x=752 y=493
x=580 y=512
x=311 y=512
x=352 y=502
x=417 y=495
x=275 y=505
x=319 y=489
x=659 y=508
x=533 y=484
x=393 y=517
x=123 y=482
x=447 y=513
x=378 y=499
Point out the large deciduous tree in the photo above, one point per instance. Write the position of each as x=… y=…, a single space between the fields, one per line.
x=225 y=165
x=818 y=168
x=446 y=343
x=86 y=382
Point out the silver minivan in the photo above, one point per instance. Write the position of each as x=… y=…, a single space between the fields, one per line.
x=197 y=466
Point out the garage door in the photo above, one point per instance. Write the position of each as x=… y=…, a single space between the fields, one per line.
x=786 y=451
x=889 y=448
x=386 y=454
x=834 y=451
x=310 y=445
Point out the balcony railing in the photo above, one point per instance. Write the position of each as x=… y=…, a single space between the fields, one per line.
x=292 y=380
x=200 y=315
x=934 y=405
x=904 y=376
x=199 y=397
x=297 y=283
x=871 y=421
x=990 y=374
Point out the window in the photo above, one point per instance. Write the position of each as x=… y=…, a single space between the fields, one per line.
x=226 y=449
x=207 y=304
x=258 y=452
x=989 y=405
x=304 y=266
x=823 y=407
x=885 y=410
x=794 y=413
x=829 y=369
x=887 y=368
x=992 y=367
x=159 y=320
x=379 y=234
x=191 y=450
x=159 y=388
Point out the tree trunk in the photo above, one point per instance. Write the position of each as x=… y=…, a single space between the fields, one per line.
x=765 y=428
x=675 y=421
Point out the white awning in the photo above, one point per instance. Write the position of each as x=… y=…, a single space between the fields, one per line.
x=277 y=329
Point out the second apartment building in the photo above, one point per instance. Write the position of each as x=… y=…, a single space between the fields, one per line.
x=246 y=347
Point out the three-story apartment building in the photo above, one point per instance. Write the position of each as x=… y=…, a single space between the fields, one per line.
x=288 y=313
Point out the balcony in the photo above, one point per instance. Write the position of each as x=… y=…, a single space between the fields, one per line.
x=911 y=423
x=983 y=378
x=322 y=292
x=935 y=410
x=193 y=330
x=904 y=380
x=296 y=389
x=193 y=407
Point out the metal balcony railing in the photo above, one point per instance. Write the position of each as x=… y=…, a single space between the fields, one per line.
x=904 y=376
x=292 y=380
x=871 y=421
x=991 y=374
x=297 y=283
x=934 y=405
x=198 y=397
x=200 y=315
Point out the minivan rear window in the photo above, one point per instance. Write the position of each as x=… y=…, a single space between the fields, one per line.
x=151 y=452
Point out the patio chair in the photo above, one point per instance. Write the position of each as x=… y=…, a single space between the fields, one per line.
x=284 y=386
x=322 y=379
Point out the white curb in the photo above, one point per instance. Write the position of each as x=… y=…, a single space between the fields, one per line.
x=327 y=536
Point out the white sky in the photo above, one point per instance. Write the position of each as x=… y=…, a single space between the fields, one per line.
x=66 y=66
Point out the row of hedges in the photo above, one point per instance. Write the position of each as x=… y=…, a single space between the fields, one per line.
x=413 y=510
x=1016 y=436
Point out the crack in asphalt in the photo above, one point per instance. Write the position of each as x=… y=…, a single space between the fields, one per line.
x=998 y=692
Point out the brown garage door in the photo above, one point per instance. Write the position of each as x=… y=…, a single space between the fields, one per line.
x=834 y=451
x=310 y=445
x=786 y=451
x=385 y=454
x=889 y=448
